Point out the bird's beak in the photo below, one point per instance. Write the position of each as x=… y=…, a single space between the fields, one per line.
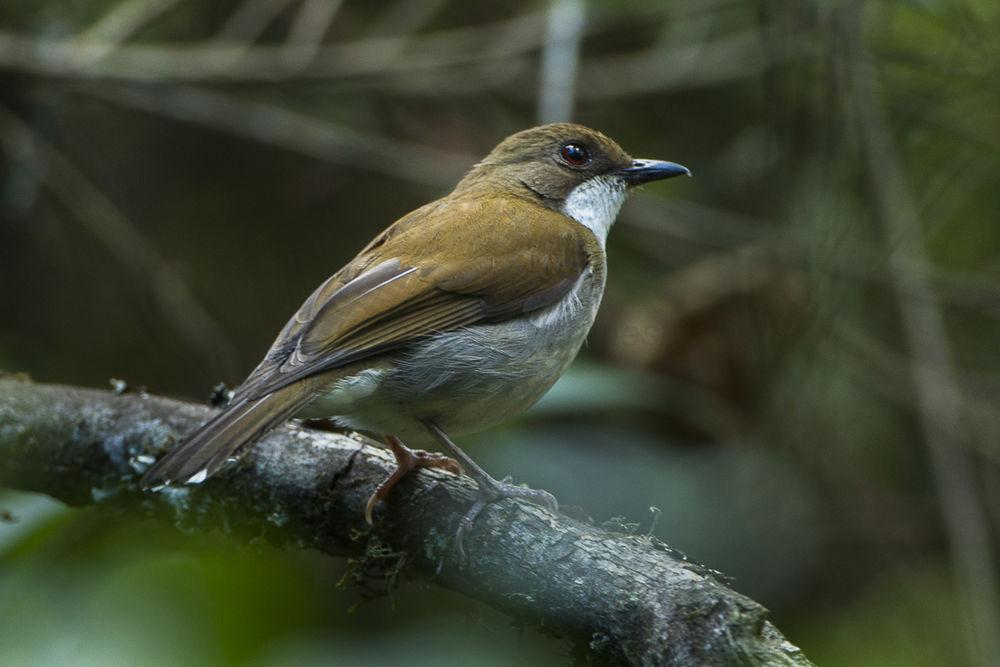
x=644 y=171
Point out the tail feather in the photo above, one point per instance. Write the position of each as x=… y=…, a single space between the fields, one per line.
x=240 y=424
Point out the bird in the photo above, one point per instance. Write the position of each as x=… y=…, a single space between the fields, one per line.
x=459 y=315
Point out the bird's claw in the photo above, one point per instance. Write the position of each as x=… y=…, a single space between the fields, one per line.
x=406 y=460
x=491 y=491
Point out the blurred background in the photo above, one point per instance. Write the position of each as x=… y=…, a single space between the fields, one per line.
x=794 y=378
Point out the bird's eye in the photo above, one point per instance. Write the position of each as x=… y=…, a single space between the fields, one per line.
x=575 y=154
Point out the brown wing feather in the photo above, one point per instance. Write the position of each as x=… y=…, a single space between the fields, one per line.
x=404 y=285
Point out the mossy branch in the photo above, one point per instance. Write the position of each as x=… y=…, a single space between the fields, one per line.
x=627 y=598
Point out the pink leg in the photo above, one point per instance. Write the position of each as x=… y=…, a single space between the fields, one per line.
x=406 y=460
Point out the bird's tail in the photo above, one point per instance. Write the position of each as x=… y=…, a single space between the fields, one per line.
x=240 y=423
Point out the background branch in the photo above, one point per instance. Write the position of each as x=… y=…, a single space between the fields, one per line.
x=627 y=597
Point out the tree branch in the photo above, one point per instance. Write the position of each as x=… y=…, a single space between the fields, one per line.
x=624 y=597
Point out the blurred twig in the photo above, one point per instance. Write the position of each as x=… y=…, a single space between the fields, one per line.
x=939 y=394
x=99 y=215
x=495 y=46
x=121 y=22
x=669 y=66
x=305 y=38
x=889 y=372
x=560 y=58
x=249 y=20
x=284 y=128
x=665 y=224
x=406 y=17
x=655 y=69
x=626 y=597
x=236 y=61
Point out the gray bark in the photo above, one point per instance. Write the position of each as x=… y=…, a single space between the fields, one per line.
x=620 y=597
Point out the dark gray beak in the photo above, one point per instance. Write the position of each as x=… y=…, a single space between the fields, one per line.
x=644 y=171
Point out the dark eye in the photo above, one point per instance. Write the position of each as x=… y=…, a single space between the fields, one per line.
x=575 y=154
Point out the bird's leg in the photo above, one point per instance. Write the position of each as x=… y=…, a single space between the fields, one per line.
x=406 y=460
x=490 y=489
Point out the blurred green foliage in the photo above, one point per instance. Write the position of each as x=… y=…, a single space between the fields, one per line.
x=178 y=175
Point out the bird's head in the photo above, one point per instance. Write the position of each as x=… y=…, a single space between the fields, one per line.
x=567 y=167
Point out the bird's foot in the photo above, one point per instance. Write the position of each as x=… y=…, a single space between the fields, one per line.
x=406 y=460
x=491 y=491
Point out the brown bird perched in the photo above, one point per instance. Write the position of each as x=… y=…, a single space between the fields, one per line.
x=459 y=315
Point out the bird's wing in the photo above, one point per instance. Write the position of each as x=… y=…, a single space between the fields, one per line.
x=405 y=286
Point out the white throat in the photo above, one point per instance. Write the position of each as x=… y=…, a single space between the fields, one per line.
x=595 y=204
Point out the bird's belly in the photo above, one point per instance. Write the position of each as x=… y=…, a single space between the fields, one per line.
x=467 y=379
